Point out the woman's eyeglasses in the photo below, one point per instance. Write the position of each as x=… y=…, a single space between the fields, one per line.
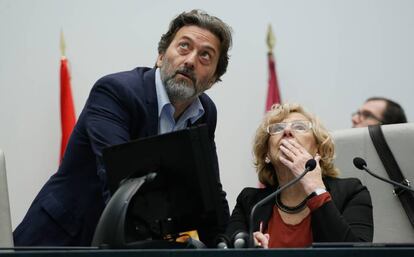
x=299 y=126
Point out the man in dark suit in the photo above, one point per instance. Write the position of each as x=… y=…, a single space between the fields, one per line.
x=193 y=55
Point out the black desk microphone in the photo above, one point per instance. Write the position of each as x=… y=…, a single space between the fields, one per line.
x=362 y=165
x=309 y=166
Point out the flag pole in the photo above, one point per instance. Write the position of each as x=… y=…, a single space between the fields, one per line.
x=62 y=45
x=67 y=109
x=270 y=39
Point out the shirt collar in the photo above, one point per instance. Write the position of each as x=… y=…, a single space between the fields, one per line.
x=193 y=112
x=162 y=96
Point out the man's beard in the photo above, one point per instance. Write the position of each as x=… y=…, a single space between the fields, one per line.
x=180 y=89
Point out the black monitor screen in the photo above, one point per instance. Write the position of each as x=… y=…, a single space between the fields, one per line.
x=184 y=194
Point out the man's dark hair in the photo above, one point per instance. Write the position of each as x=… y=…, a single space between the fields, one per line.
x=203 y=20
x=393 y=112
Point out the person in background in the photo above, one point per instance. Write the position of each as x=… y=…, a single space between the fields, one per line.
x=318 y=208
x=192 y=57
x=378 y=111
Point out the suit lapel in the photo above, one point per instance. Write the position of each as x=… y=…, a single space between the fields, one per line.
x=264 y=212
x=265 y=215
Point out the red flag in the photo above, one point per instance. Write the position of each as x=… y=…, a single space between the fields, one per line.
x=273 y=95
x=67 y=109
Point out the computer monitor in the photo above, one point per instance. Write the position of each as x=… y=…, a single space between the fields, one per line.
x=183 y=196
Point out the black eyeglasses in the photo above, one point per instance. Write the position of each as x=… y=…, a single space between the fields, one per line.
x=365 y=115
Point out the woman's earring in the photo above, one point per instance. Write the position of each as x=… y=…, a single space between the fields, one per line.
x=267 y=159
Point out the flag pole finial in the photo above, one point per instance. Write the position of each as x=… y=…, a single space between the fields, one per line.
x=62 y=44
x=270 y=39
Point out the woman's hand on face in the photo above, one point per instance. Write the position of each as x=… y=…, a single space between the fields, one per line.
x=261 y=239
x=294 y=156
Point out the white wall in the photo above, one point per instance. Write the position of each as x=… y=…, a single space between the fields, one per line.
x=331 y=55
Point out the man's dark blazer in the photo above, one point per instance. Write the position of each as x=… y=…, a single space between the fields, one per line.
x=120 y=107
x=347 y=218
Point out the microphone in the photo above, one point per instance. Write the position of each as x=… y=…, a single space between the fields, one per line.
x=240 y=239
x=362 y=165
x=309 y=166
x=222 y=241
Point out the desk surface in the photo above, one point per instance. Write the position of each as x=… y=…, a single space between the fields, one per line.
x=337 y=252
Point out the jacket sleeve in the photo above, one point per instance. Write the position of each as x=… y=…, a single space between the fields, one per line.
x=208 y=235
x=107 y=121
x=212 y=121
x=348 y=217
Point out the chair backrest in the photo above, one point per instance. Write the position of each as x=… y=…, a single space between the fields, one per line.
x=6 y=238
x=391 y=223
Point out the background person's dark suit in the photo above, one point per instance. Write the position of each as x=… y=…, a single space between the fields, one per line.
x=347 y=218
x=121 y=107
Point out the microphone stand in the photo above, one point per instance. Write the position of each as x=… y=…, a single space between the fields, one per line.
x=310 y=165
x=396 y=184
